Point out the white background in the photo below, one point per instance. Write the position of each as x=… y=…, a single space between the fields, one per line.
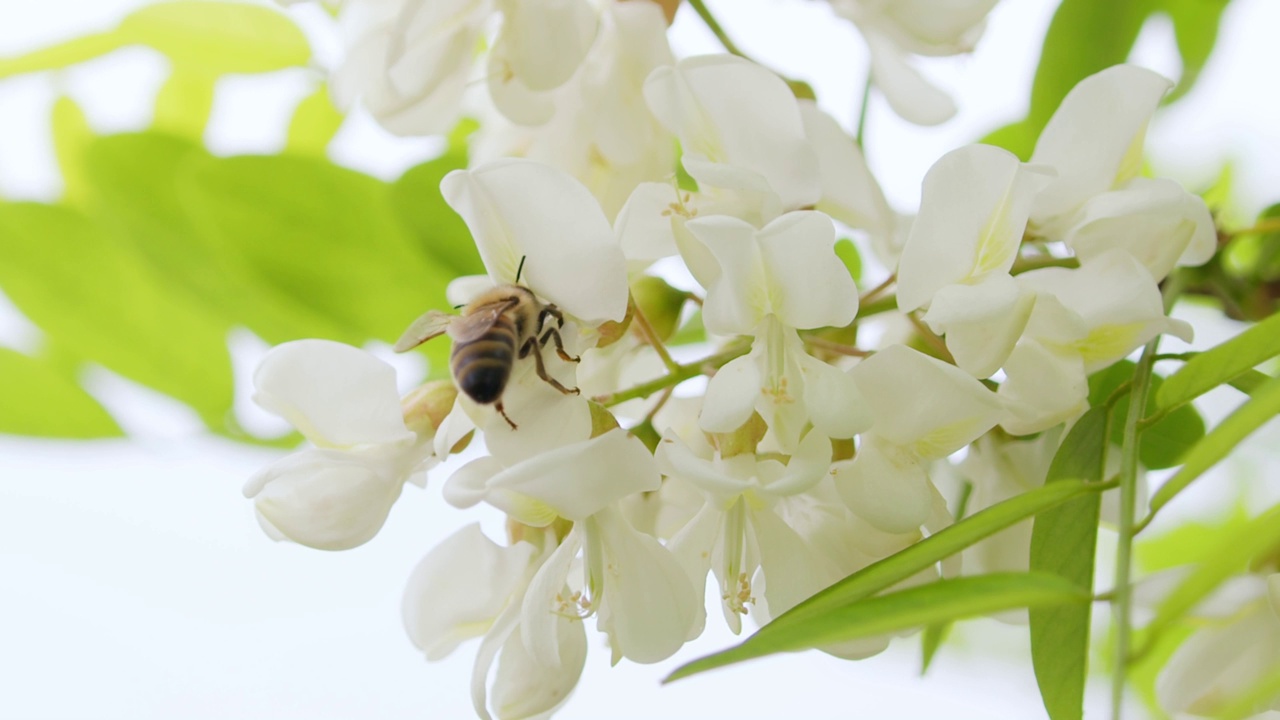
x=134 y=582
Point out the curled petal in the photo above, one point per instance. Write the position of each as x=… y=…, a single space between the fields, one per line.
x=525 y=688
x=910 y=95
x=546 y=599
x=327 y=499
x=643 y=226
x=731 y=395
x=338 y=396
x=1044 y=387
x=546 y=40
x=520 y=209
x=515 y=100
x=459 y=589
x=468 y=486
x=806 y=468
x=887 y=486
x=1094 y=140
x=981 y=322
x=808 y=286
x=850 y=192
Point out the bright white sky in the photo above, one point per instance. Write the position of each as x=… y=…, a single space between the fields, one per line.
x=137 y=585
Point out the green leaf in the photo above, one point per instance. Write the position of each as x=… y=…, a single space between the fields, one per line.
x=40 y=401
x=315 y=121
x=1257 y=410
x=66 y=54
x=1162 y=444
x=1221 y=364
x=1195 y=30
x=135 y=181
x=1231 y=553
x=185 y=102
x=1063 y=543
x=219 y=37
x=86 y=289
x=1249 y=382
x=692 y=331
x=931 y=638
x=322 y=236
x=1185 y=544
x=440 y=235
x=71 y=138
x=903 y=610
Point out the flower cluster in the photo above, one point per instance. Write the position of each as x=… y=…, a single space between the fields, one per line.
x=812 y=451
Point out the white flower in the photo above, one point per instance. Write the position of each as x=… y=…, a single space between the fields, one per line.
x=893 y=30
x=923 y=410
x=337 y=495
x=850 y=193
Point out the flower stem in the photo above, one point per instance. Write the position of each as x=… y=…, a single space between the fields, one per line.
x=714 y=26
x=1123 y=592
x=651 y=336
x=1269 y=225
x=677 y=376
x=836 y=347
x=862 y=110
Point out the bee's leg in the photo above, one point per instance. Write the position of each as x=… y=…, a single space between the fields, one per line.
x=554 y=334
x=531 y=348
x=502 y=411
x=551 y=311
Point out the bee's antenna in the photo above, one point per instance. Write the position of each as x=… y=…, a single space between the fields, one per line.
x=520 y=269
x=459 y=307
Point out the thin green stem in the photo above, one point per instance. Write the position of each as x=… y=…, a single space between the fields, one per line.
x=1123 y=592
x=714 y=26
x=679 y=375
x=862 y=110
x=651 y=336
x=884 y=304
x=1035 y=263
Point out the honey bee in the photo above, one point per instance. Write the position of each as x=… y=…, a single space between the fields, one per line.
x=494 y=330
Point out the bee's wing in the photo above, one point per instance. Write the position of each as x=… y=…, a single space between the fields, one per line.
x=476 y=323
x=431 y=324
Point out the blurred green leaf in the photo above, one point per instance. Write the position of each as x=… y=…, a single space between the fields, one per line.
x=1195 y=29
x=1185 y=544
x=1063 y=543
x=315 y=121
x=65 y=54
x=440 y=235
x=185 y=102
x=135 y=182
x=902 y=610
x=1262 y=406
x=41 y=402
x=219 y=37
x=931 y=639
x=1162 y=444
x=848 y=254
x=71 y=137
x=1221 y=363
x=692 y=331
x=325 y=237
x=86 y=289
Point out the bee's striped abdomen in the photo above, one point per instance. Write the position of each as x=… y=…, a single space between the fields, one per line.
x=481 y=367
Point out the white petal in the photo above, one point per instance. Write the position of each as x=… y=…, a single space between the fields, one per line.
x=524 y=688
x=515 y=100
x=469 y=484
x=808 y=286
x=910 y=95
x=740 y=296
x=886 y=485
x=792 y=569
x=831 y=397
x=981 y=322
x=806 y=468
x=579 y=480
x=1155 y=220
x=850 y=192
x=336 y=395
x=490 y=646
x=973 y=211
x=522 y=209
x=545 y=417
x=643 y=226
x=1094 y=140
x=546 y=40
x=731 y=395
x=649 y=604
x=925 y=404
x=546 y=599
x=712 y=475
x=326 y=499
x=731 y=112
x=1043 y=388
x=460 y=588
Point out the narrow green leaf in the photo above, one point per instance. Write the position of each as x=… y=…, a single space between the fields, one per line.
x=315 y=122
x=86 y=289
x=1249 y=382
x=1063 y=543
x=71 y=137
x=921 y=605
x=40 y=401
x=185 y=102
x=1195 y=30
x=219 y=37
x=1230 y=554
x=66 y=54
x=930 y=640
x=1257 y=410
x=1221 y=364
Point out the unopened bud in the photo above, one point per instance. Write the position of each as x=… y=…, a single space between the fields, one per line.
x=425 y=407
x=660 y=303
x=741 y=441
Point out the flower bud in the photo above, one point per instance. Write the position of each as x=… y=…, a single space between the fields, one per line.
x=426 y=407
